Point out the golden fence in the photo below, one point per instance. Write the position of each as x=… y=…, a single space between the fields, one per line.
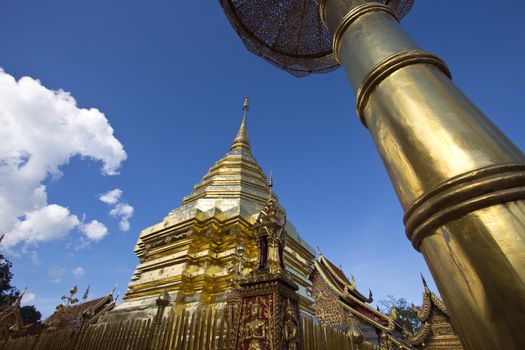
x=318 y=337
x=205 y=329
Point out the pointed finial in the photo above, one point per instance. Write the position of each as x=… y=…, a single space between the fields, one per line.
x=246 y=105
x=319 y=251
x=270 y=185
x=241 y=140
x=86 y=293
x=424 y=281
x=114 y=288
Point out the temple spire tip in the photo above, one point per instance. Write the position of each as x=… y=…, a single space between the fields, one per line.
x=241 y=140
x=246 y=105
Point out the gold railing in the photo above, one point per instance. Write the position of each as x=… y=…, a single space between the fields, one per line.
x=206 y=329
x=318 y=337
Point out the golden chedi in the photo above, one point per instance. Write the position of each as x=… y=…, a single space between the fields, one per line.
x=197 y=251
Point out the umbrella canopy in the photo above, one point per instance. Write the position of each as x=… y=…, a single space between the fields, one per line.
x=289 y=33
x=402 y=7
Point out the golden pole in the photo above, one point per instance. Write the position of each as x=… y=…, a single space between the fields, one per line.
x=460 y=181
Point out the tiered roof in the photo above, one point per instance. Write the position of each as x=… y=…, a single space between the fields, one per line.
x=339 y=280
x=71 y=316
x=357 y=304
x=236 y=175
x=350 y=297
x=436 y=326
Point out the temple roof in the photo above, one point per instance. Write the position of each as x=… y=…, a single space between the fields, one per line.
x=431 y=302
x=433 y=306
x=73 y=313
x=337 y=279
x=353 y=300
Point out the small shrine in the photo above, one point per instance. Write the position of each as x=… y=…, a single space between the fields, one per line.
x=268 y=303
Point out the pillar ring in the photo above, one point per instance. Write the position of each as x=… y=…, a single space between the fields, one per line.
x=388 y=66
x=463 y=194
x=350 y=18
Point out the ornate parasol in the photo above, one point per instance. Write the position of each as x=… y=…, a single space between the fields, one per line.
x=402 y=7
x=289 y=33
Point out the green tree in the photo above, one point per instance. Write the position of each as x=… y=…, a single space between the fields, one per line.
x=30 y=314
x=406 y=314
x=9 y=293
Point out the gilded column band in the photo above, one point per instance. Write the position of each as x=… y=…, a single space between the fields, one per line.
x=464 y=194
x=459 y=179
x=351 y=17
x=388 y=66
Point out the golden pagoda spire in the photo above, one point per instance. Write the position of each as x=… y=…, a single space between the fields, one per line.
x=241 y=140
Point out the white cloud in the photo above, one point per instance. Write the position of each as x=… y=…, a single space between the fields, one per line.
x=94 y=230
x=56 y=274
x=43 y=224
x=124 y=211
x=124 y=225
x=78 y=271
x=41 y=130
x=121 y=210
x=28 y=297
x=111 y=197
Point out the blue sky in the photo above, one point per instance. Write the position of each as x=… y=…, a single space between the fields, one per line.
x=169 y=78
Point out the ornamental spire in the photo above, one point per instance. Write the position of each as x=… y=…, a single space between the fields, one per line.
x=270 y=185
x=270 y=230
x=241 y=140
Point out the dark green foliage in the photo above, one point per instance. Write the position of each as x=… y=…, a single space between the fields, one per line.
x=406 y=314
x=9 y=293
x=30 y=314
